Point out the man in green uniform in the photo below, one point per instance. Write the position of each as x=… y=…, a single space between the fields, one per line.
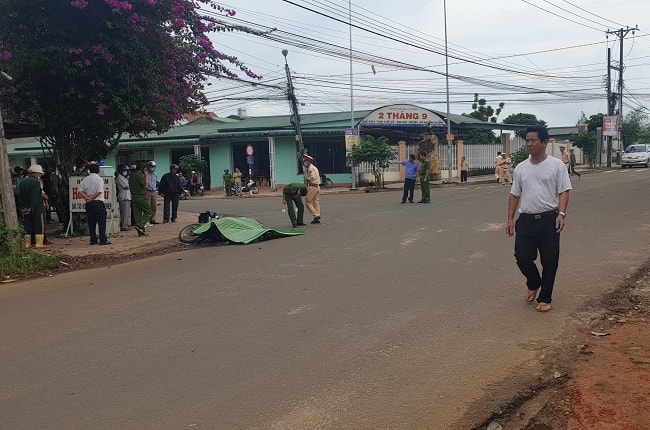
x=139 y=201
x=227 y=182
x=32 y=206
x=425 y=166
x=293 y=193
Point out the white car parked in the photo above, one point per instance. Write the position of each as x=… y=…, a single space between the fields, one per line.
x=636 y=155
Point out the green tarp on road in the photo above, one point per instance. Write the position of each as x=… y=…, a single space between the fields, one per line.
x=244 y=230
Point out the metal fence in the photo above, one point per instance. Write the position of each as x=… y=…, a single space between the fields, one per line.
x=480 y=158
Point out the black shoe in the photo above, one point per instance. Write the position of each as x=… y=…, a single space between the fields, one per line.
x=94 y=243
x=154 y=222
x=105 y=243
x=421 y=201
x=404 y=202
x=410 y=201
x=173 y=220
x=165 y=221
x=315 y=221
x=301 y=223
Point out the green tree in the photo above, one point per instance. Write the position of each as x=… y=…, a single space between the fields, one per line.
x=518 y=156
x=87 y=72
x=523 y=119
x=187 y=163
x=633 y=125
x=375 y=151
x=588 y=142
x=483 y=112
x=594 y=122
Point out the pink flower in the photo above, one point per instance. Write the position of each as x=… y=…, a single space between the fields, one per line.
x=80 y=4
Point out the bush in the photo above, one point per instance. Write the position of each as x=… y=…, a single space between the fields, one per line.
x=10 y=240
x=17 y=261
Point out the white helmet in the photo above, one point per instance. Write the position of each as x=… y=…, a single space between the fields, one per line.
x=151 y=164
x=251 y=182
x=193 y=172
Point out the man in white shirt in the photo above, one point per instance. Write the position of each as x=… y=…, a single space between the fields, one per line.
x=92 y=191
x=541 y=193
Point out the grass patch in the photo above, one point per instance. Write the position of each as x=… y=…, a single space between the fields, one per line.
x=16 y=261
x=25 y=263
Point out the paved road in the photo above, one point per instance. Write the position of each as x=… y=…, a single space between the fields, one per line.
x=383 y=316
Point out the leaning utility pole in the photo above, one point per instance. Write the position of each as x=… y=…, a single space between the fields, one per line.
x=621 y=33
x=7 y=202
x=295 y=117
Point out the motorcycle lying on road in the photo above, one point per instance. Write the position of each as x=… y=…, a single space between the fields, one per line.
x=250 y=186
x=188 y=236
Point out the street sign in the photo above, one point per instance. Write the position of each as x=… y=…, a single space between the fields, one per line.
x=249 y=150
x=610 y=126
x=450 y=137
x=250 y=160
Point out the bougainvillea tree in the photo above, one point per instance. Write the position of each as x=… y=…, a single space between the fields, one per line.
x=89 y=71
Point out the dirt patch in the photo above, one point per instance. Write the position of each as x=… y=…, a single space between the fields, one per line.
x=599 y=381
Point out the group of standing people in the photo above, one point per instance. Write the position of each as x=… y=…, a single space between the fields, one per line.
x=232 y=182
x=569 y=161
x=502 y=168
x=416 y=169
x=138 y=189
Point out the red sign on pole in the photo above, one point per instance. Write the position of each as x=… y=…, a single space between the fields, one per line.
x=610 y=126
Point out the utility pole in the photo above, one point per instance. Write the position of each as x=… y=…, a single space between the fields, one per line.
x=450 y=139
x=621 y=33
x=295 y=117
x=7 y=203
x=610 y=104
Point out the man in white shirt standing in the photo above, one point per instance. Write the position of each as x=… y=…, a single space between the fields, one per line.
x=92 y=191
x=541 y=193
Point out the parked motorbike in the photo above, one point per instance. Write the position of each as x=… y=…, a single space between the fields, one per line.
x=187 y=234
x=185 y=194
x=250 y=186
x=325 y=181
x=198 y=190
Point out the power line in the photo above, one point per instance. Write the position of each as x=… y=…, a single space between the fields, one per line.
x=585 y=10
x=423 y=48
x=560 y=16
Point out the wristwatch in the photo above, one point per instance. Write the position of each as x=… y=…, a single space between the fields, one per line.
x=563 y=214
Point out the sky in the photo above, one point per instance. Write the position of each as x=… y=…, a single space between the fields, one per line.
x=543 y=57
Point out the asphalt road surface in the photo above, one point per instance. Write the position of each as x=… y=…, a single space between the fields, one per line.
x=384 y=316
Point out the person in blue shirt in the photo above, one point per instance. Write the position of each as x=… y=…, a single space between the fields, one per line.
x=412 y=169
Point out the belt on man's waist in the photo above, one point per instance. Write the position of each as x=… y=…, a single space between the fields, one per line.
x=554 y=212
